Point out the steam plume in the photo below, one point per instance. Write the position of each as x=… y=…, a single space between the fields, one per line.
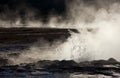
x=99 y=26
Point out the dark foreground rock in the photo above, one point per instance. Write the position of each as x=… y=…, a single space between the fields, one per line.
x=104 y=67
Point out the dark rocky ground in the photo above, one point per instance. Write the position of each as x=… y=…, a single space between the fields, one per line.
x=109 y=67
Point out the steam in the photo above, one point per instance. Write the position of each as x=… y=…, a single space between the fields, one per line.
x=99 y=26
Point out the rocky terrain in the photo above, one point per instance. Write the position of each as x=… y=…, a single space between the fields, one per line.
x=109 y=67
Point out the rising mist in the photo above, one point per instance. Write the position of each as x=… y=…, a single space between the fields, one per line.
x=97 y=21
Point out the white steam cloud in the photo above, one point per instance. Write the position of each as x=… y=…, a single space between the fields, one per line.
x=99 y=27
x=99 y=36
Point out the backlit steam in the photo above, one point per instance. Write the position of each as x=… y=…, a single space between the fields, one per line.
x=99 y=37
x=99 y=26
x=100 y=29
